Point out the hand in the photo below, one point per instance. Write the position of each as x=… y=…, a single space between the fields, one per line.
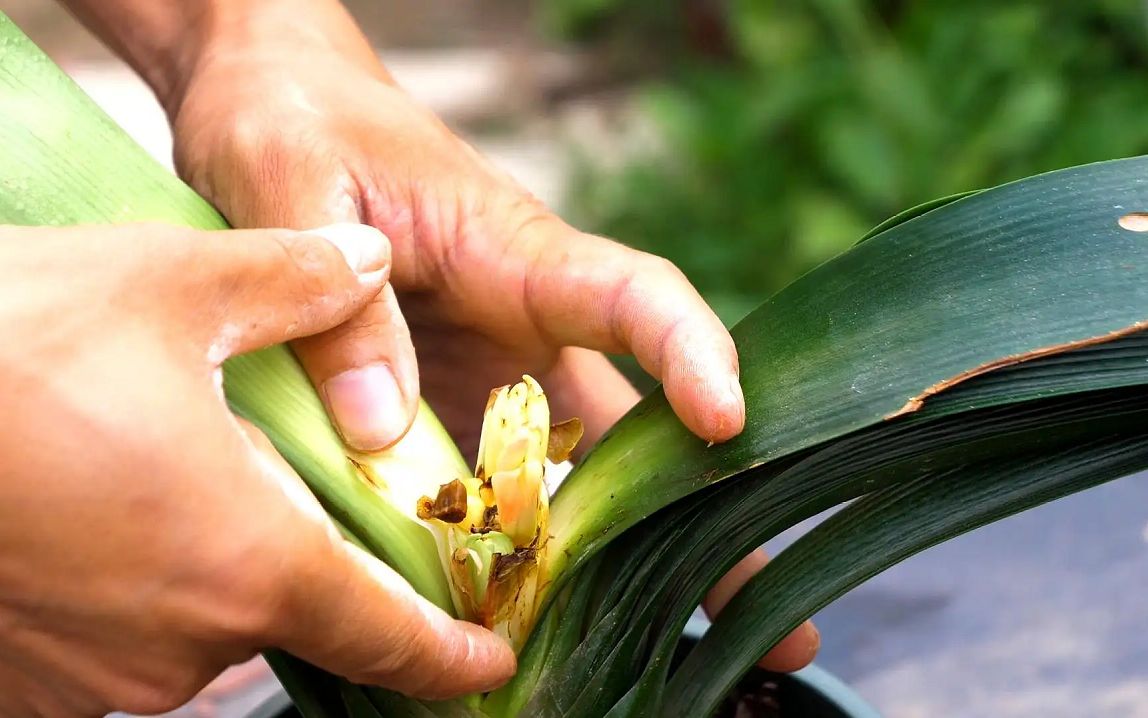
x=148 y=538
x=492 y=283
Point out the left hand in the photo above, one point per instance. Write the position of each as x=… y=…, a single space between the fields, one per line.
x=276 y=132
x=492 y=283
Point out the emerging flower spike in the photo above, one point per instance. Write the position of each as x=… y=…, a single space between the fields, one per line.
x=496 y=524
x=511 y=456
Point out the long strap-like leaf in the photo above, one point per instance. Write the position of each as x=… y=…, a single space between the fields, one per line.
x=973 y=424
x=1032 y=268
x=873 y=534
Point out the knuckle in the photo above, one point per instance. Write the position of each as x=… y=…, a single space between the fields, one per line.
x=305 y=268
x=675 y=334
x=245 y=148
x=258 y=611
x=298 y=265
x=357 y=342
x=659 y=266
x=371 y=332
x=644 y=278
x=452 y=658
x=362 y=330
x=279 y=600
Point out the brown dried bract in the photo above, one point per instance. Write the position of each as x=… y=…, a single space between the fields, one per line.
x=564 y=436
x=449 y=506
x=492 y=396
x=506 y=564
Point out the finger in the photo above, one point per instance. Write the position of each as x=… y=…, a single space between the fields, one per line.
x=365 y=369
x=246 y=289
x=796 y=650
x=366 y=372
x=584 y=384
x=397 y=639
x=354 y=616
x=348 y=613
x=591 y=292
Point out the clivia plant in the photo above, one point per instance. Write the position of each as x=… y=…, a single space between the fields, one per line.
x=966 y=360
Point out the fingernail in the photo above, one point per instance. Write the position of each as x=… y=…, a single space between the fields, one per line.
x=367 y=406
x=736 y=397
x=365 y=248
x=732 y=400
x=726 y=417
x=814 y=636
x=735 y=389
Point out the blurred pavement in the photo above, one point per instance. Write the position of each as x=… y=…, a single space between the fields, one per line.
x=1042 y=614
x=461 y=86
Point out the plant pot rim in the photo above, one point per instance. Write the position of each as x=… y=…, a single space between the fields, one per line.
x=818 y=680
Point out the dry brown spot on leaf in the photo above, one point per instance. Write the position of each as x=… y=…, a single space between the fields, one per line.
x=916 y=402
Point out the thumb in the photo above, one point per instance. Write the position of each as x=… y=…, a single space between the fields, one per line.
x=366 y=373
x=350 y=614
x=357 y=618
x=364 y=369
x=247 y=289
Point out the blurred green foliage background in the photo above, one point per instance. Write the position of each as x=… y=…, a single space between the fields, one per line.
x=791 y=127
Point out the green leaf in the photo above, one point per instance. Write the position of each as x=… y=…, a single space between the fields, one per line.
x=389 y=704
x=898 y=385
x=315 y=693
x=914 y=212
x=875 y=533
x=991 y=420
x=1030 y=268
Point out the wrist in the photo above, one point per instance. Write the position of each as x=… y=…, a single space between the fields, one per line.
x=247 y=39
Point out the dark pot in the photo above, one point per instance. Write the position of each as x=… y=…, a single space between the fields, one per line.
x=809 y=693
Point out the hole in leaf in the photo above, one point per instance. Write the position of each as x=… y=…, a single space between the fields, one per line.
x=1134 y=221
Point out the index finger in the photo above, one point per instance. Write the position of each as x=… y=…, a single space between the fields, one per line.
x=589 y=291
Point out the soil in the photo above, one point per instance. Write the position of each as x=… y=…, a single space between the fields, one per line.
x=757 y=696
x=763 y=694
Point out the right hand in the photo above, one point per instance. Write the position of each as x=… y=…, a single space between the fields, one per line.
x=148 y=538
